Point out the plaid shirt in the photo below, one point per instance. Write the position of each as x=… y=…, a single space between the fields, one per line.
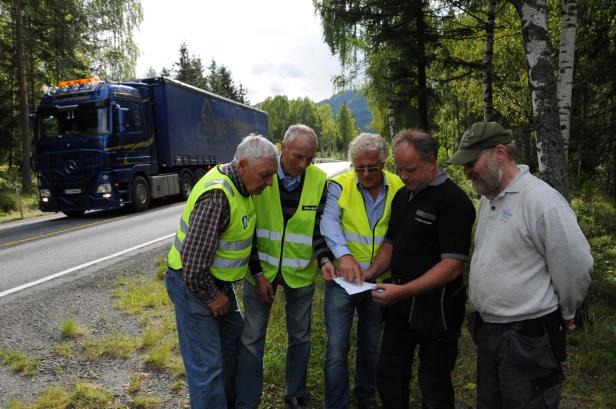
x=209 y=218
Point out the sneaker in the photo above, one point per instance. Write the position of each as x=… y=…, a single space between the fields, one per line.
x=295 y=402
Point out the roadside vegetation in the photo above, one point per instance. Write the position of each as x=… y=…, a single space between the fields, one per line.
x=590 y=367
x=10 y=201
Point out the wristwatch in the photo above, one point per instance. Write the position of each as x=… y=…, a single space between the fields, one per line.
x=322 y=261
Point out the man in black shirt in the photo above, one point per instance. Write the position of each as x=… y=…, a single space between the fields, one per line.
x=425 y=249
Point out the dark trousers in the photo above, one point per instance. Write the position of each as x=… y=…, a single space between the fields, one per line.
x=517 y=366
x=437 y=357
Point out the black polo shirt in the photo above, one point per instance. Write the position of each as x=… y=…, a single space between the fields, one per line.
x=425 y=228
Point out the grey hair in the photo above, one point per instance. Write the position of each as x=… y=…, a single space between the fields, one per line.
x=368 y=142
x=255 y=147
x=299 y=129
x=422 y=141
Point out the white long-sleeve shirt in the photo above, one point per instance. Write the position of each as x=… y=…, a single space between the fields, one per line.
x=530 y=255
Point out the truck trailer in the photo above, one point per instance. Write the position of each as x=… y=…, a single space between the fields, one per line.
x=105 y=145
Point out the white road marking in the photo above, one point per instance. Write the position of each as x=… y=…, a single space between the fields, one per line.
x=79 y=267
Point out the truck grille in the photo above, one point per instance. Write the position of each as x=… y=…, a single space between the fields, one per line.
x=69 y=166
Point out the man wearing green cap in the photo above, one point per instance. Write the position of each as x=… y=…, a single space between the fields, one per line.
x=530 y=271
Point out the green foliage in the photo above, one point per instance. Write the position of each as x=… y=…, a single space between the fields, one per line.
x=329 y=131
x=189 y=69
x=278 y=110
x=145 y=402
x=62 y=40
x=135 y=382
x=64 y=349
x=83 y=395
x=161 y=268
x=87 y=395
x=116 y=345
x=284 y=112
x=345 y=124
x=135 y=295
x=19 y=362
x=70 y=329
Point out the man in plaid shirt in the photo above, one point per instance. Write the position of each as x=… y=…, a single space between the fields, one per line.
x=210 y=251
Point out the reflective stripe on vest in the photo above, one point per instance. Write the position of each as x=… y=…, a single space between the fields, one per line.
x=363 y=242
x=230 y=261
x=289 y=248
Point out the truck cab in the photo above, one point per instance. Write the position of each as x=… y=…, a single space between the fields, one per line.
x=93 y=138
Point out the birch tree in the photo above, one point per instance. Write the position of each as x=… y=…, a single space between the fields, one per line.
x=566 y=57
x=542 y=83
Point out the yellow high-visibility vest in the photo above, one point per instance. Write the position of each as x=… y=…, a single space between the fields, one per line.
x=230 y=261
x=289 y=248
x=363 y=241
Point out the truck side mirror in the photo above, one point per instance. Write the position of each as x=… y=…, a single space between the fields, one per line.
x=119 y=119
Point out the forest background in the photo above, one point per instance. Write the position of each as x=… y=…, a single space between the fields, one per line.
x=543 y=69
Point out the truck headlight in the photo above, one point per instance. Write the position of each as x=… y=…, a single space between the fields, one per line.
x=45 y=193
x=104 y=188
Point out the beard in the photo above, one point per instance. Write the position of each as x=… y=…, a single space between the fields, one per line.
x=487 y=182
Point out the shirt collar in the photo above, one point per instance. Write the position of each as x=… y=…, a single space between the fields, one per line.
x=230 y=169
x=517 y=184
x=285 y=178
x=439 y=179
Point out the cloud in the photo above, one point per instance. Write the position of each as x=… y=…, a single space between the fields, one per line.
x=282 y=70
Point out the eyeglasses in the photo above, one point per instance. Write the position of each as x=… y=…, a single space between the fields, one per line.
x=369 y=169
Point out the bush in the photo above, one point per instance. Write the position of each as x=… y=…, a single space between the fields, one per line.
x=8 y=202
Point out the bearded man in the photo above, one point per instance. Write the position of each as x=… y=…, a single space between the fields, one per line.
x=530 y=271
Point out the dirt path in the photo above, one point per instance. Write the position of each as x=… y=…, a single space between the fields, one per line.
x=30 y=322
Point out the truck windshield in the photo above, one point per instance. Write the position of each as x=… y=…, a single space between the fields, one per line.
x=64 y=122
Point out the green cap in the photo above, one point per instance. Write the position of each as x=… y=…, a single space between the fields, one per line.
x=480 y=136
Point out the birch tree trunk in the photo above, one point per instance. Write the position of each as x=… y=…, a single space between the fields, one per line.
x=542 y=83
x=566 y=59
x=488 y=106
x=23 y=98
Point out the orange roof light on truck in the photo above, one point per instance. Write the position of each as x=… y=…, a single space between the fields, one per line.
x=80 y=85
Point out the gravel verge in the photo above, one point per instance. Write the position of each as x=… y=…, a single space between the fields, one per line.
x=30 y=322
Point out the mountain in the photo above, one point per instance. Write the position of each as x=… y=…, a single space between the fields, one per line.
x=356 y=102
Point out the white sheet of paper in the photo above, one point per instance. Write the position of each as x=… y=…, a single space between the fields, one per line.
x=351 y=287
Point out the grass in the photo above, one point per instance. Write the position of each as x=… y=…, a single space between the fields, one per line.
x=145 y=402
x=116 y=345
x=19 y=362
x=70 y=329
x=63 y=349
x=82 y=395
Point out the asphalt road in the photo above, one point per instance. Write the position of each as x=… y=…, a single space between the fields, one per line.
x=38 y=248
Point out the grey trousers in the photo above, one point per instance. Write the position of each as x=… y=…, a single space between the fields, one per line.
x=515 y=370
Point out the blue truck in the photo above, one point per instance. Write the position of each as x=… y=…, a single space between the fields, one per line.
x=105 y=145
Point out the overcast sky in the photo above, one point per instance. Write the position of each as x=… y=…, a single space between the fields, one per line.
x=272 y=47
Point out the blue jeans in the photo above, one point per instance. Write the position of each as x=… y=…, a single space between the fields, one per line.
x=209 y=344
x=298 y=307
x=339 y=308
